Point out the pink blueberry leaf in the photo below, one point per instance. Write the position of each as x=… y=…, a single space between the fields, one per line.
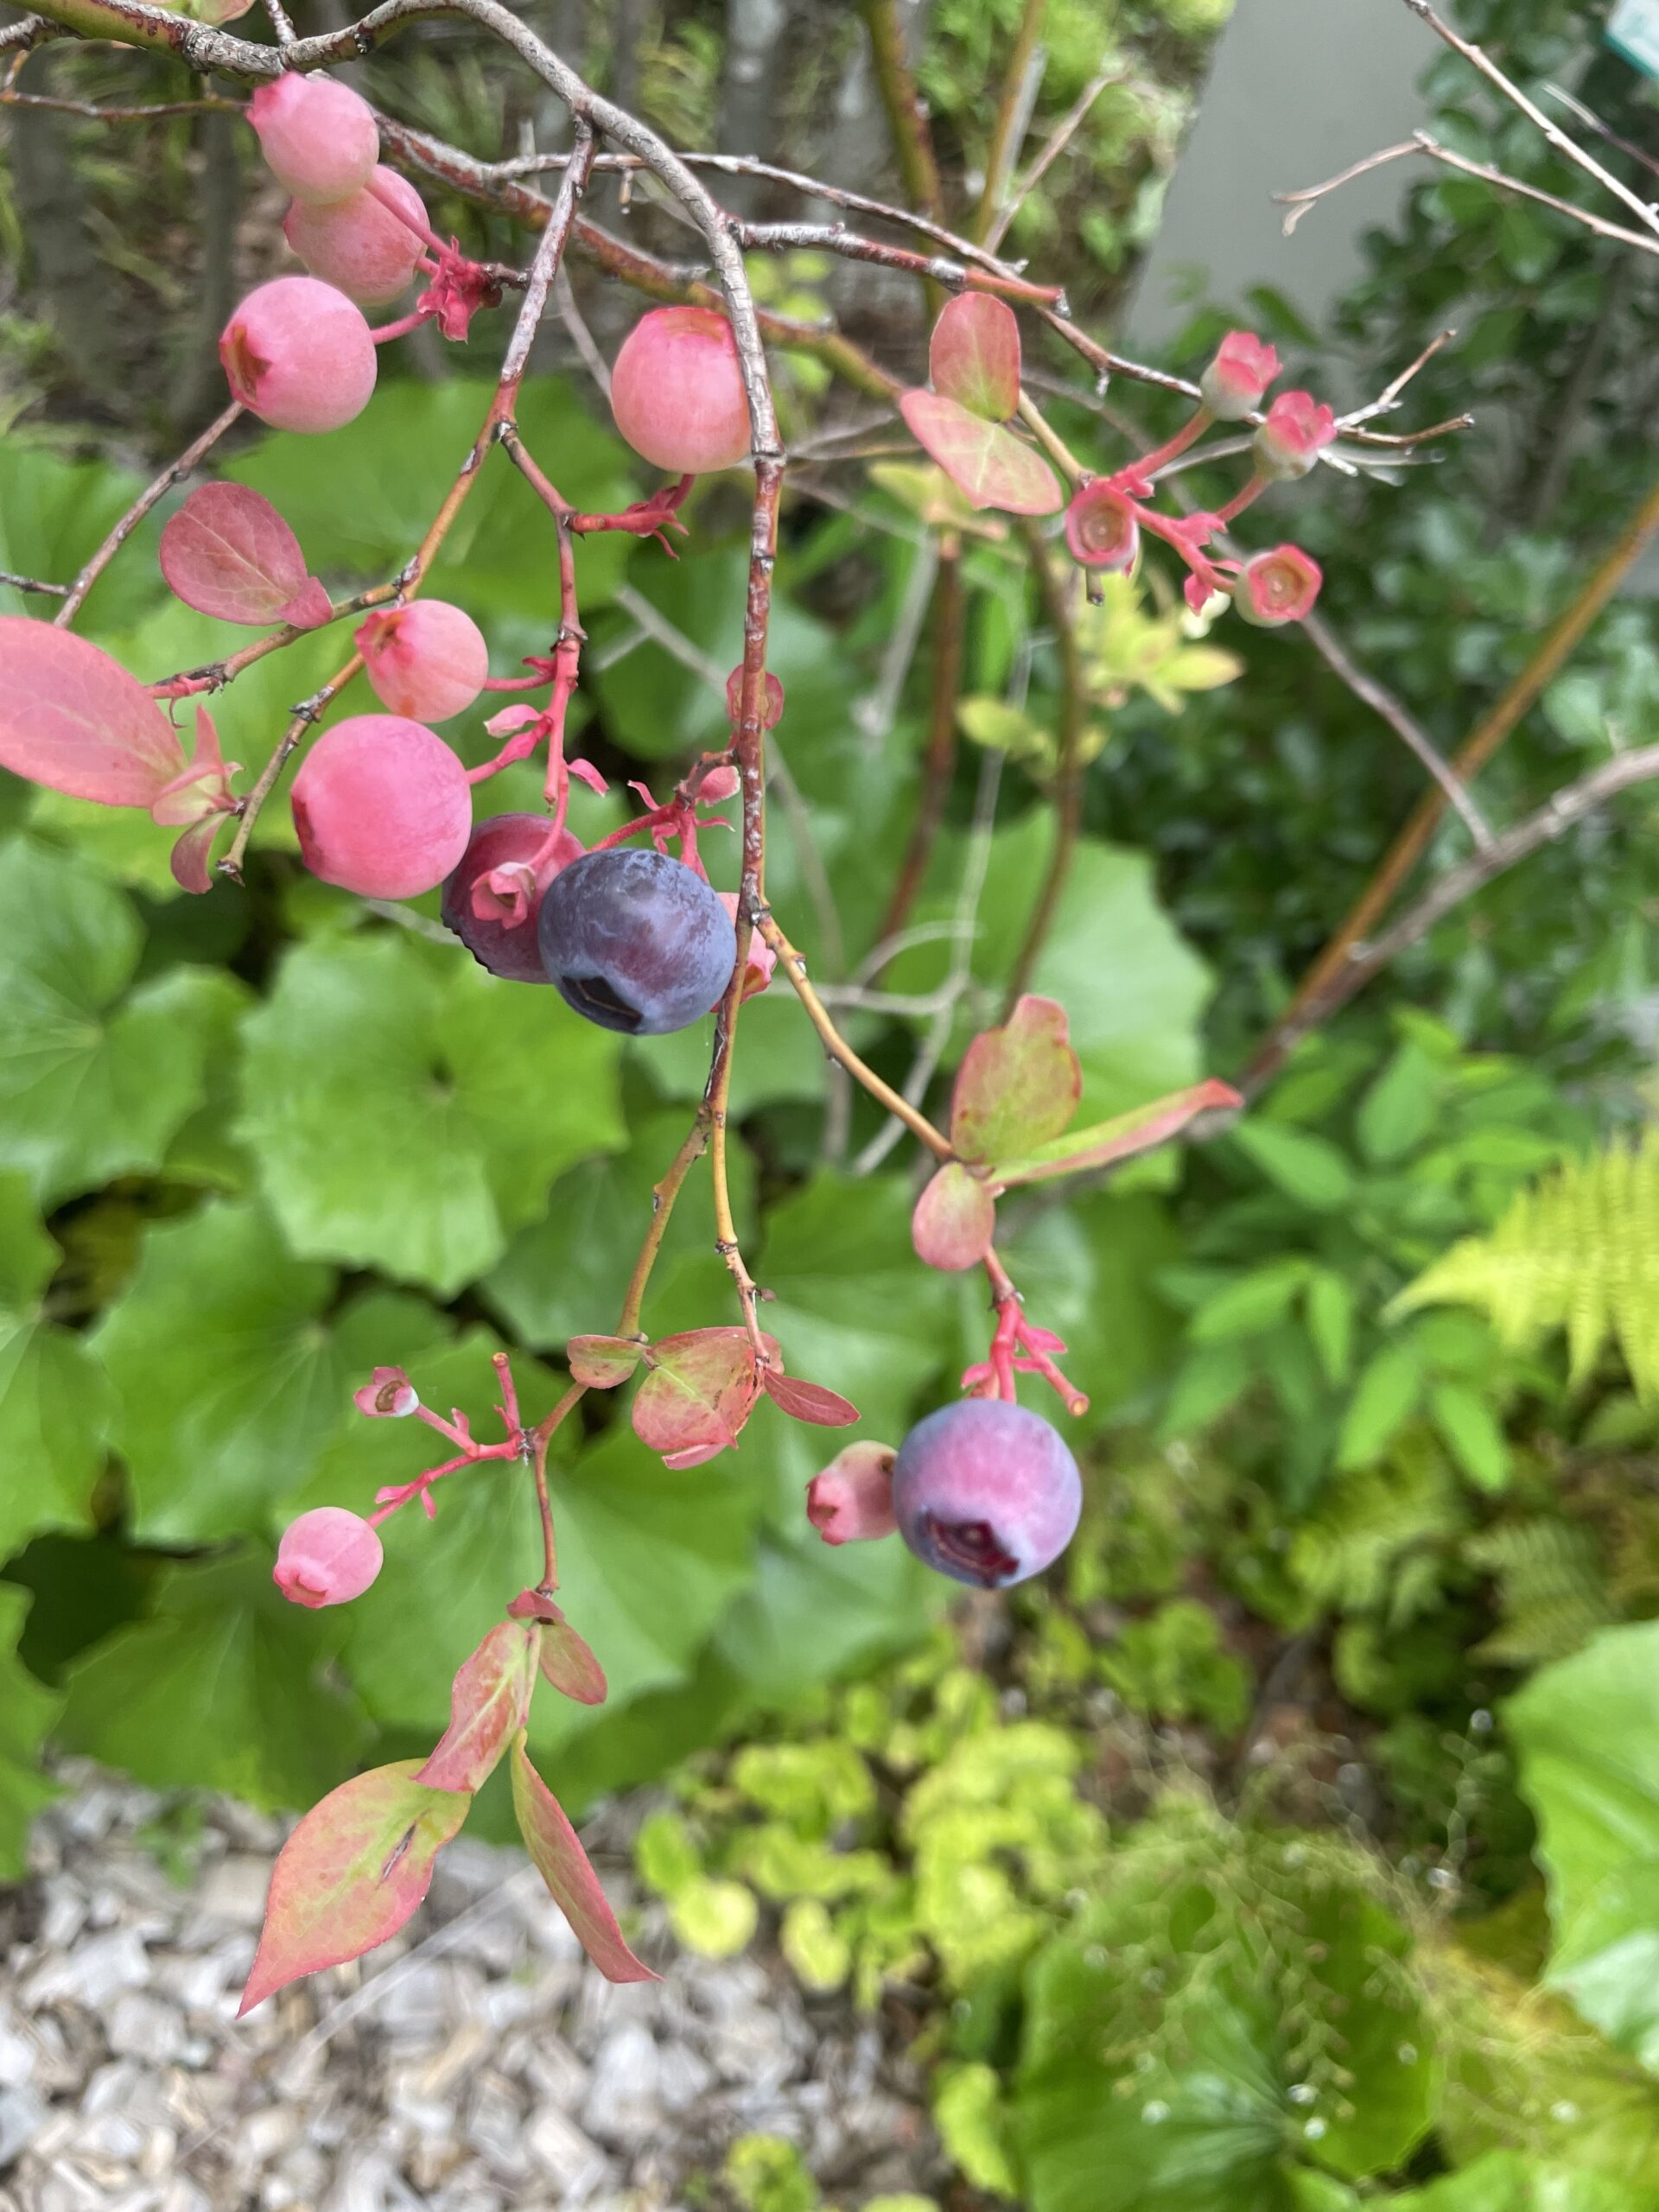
x=351 y=1875
x=564 y=1867
x=73 y=719
x=602 y=1363
x=568 y=1663
x=808 y=1401
x=488 y=1705
x=954 y=1221
x=228 y=553
x=987 y=464
x=1018 y=1086
x=1138 y=1130
x=973 y=356
x=191 y=854
x=701 y=1389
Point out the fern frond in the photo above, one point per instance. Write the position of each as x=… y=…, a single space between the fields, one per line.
x=1580 y=1251
x=1552 y=1592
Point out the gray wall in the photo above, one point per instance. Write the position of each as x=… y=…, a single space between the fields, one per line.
x=1301 y=88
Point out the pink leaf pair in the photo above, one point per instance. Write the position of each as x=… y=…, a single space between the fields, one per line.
x=703 y=1386
x=228 y=553
x=974 y=361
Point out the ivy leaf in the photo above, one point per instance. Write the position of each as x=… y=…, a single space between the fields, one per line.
x=487 y=1707
x=408 y=1111
x=988 y=465
x=1018 y=1085
x=246 y=1668
x=973 y=356
x=229 y=1383
x=54 y=1401
x=955 y=1220
x=27 y=1711
x=701 y=1389
x=228 y=553
x=1119 y=1139
x=564 y=1867
x=351 y=1873
x=96 y=1077
x=73 y=719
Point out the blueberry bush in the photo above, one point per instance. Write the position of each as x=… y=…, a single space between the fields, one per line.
x=1023 y=1038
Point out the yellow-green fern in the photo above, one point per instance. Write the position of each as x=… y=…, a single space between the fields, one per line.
x=1578 y=1251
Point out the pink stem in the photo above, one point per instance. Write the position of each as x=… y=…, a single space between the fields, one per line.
x=401 y=327
x=1187 y=435
x=384 y=193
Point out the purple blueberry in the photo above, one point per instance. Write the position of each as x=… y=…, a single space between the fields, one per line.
x=986 y=1492
x=503 y=841
x=636 y=940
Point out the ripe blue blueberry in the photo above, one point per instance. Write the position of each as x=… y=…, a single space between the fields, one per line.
x=636 y=941
x=986 y=1492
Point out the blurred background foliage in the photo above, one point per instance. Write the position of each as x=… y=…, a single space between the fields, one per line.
x=1296 y=1846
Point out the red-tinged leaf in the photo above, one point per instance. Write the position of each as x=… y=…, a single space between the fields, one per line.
x=954 y=1221
x=351 y=1875
x=533 y=1605
x=488 y=1704
x=568 y=1663
x=309 y=608
x=192 y=852
x=1018 y=1086
x=602 y=1363
x=808 y=1401
x=987 y=464
x=228 y=553
x=1137 y=1131
x=563 y=1865
x=973 y=356
x=73 y=719
x=701 y=1389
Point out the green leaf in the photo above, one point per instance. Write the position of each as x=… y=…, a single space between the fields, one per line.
x=1254 y=1302
x=225 y=1653
x=973 y=355
x=1018 y=1085
x=1587 y=1729
x=1515 y=2180
x=1305 y=1167
x=96 y=1075
x=54 y=1402
x=408 y=1111
x=54 y=513
x=28 y=1710
x=229 y=1381
x=1330 y=1313
x=1121 y=1138
x=1473 y=1434
x=1397 y=1112
x=1386 y=1396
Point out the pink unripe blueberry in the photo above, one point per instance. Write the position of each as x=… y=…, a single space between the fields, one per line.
x=1297 y=431
x=1240 y=373
x=328 y=1557
x=428 y=660
x=1278 y=587
x=1102 y=528
x=986 y=1492
x=493 y=900
x=852 y=1499
x=358 y=244
x=677 y=392
x=319 y=139
x=298 y=354
x=383 y=807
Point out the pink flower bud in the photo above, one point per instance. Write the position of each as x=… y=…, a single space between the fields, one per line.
x=1240 y=373
x=1295 y=434
x=852 y=1498
x=389 y=1397
x=328 y=1557
x=1102 y=528
x=1278 y=587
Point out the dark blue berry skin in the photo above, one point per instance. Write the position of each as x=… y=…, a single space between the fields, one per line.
x=636 y=941
x=986 y=1492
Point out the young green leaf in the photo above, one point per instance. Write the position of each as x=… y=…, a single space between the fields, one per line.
x=973 y=356
x=603 y=1362
x=1018 y=1085
x=564 y=1867
x=1138 y=1130
x=954 y=1221
x=489 y=1706
x=351 y=1875
x=988 y=465
x=701 y=1389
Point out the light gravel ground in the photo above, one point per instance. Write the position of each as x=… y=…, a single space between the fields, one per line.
x=474 y=2064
